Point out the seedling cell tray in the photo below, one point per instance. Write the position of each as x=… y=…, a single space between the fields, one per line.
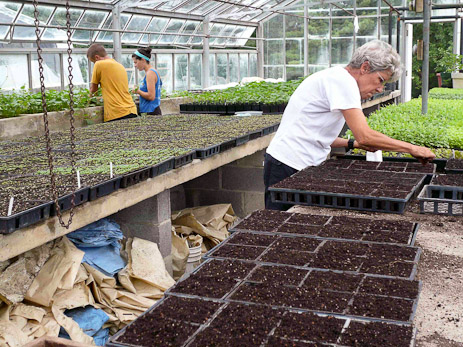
x=241 y=140
x=184 y=159
x=104 y=188
x=226 y=145
x=446 y=200
x=135 y=177
x=454 y=166
x=81 y=196
x=25 y=218
x=207 y=152
x=270 y=129
x=162 y=167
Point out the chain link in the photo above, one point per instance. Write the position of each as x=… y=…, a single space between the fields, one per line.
x=54 y=189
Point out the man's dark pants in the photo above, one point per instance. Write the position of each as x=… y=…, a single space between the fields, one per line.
x=274 y=172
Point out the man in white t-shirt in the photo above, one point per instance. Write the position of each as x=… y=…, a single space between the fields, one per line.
x=320 y=106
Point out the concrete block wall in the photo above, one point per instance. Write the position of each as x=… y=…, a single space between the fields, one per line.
x=240 y=183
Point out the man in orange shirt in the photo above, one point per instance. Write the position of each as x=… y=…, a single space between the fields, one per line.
x=118 y=103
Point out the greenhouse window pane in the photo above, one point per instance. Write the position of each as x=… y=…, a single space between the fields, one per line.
x=157 y=25
x=79 y=69
x=320 y=11
x=273 y=71
x=137 y=23
x=181 y=71
x=222 y=63
x=8 y=14
x=13 y=74
x=294 y=72
x=385 y=26
x=170 y=5
x=212 y=74
x=244 y=64
x=227 y=31
x=343 y=27
x=196 y=71
x=59 y=18
x=51 y=71
x=189 y=28
x=319 y=28
x=187 y=7
x=273 y=28
x=245 y=34
x=295 y=25
x=294 y=51
x=197 y=40
x=368 y=27
x=274 y=52
x=341 y=51
x=107 y=36
x=319 y=52
x=164 y=68
x=127 y=62
x=206 y=7
x=215 y=30
x=90 y=19
x=253 y=64
x=316 y=68
x=234 y=68
x=27 y=17
x=347 y=8
x=174 y=26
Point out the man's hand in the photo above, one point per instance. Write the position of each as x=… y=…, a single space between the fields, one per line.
x=423 y=154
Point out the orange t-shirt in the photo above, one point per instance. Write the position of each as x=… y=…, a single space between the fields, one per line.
x=115 y=89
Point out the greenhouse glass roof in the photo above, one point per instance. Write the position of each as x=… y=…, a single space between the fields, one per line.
x=144 y=22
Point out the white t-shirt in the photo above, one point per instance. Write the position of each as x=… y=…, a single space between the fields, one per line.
x=313 y=118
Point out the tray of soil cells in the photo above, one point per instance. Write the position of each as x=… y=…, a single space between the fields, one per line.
x=65 y=202
x=454 y=166
x=184 y=159
x=446 y=200
x=207 y=152
x=440 y=162
x=170 y=322
x=255 y=134
x=135 y=177
x=448 y=180
x=226 y=145
x=35 y=211
x=365 y=190
x=328 y=227
x=105 y=188
x=269 y=130
x=241 y=140
x=162 y=167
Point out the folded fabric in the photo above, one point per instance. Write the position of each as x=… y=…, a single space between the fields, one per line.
x=106 y=259
x=100 y=233
x=90 y=320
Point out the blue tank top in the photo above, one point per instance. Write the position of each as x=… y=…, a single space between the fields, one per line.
x=147 y=105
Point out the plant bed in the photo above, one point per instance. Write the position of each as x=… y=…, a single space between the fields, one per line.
x=448 y=180
x=454 y=166
x=207 y=152
x=446 y=200
x=238 y=251
x=162 y=167
x=390 y=287
x=184 y=159
x=377 y=334
x=38 y=212
x=278 y=275
x=204 y=286
x=234 y=269
x=135 y=177
x=105 y=188
x=382 y=307
x=336 y=281
x=287 y=256
x=252 y=239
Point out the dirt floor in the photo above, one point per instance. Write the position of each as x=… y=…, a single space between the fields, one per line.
x=439 y=317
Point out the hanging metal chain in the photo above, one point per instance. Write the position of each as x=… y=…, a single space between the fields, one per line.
x=54 y=189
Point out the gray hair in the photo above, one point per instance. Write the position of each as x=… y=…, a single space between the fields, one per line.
x=380 y=55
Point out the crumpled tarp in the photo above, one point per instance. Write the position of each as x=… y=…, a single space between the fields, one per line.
x=100 y=242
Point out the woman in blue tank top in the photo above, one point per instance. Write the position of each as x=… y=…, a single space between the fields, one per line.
x=150 y=86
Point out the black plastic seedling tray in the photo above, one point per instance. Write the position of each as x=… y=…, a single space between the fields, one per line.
x=446 y=200
x=26 y=218
x=270 y=129
x=135 y=177
x=184 y=159
x=162 y=167
x=440 y=162
x=226 y=145
x=81 y=196
x=344 y=201
x=207 y=152
x=104 y=188
x=241 y=140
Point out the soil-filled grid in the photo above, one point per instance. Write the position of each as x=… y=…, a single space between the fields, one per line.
x=329 y=227
x=357 y=185
x=178 y=321
x=446 y=200
x=454 y=166
x=353 y=256
x=134 y=147
x=448 y=180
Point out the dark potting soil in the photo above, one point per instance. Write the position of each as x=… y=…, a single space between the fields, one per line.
x=239 y=252
x=206 y=286
x=333 y=262
x=258 y=225
x=308 y=219
x=296 y=243
x=378 y=266
x=390 y=287
x=454 y=164
x=381 y=307
x=278 y=275
x=227 y=268
x=385 y=236
x=311 y=327
x=239 y=325
x=328 y=280
x=331 y=248
x=289 y=257
x=448 y=180
x=155 y=330
x=347 y=231
x=186 y=309
x=252 y=239
x=376 y=334
x=274 y=341
x=291 y=228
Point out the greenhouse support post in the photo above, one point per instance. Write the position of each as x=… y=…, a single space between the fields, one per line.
x=425 y=68
x=260 y=51
x=306 y=39
x=205 y=65
x=117 y=35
